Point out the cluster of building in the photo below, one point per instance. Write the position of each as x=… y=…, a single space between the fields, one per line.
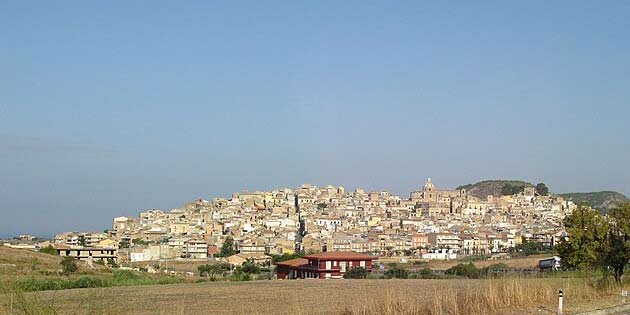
x=431 y=224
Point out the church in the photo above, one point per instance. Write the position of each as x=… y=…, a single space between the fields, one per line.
x=434 y=201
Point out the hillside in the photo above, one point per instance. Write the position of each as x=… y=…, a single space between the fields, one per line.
x=495 y=187
x=16 y=262
x=22 y=261
x=600 y=200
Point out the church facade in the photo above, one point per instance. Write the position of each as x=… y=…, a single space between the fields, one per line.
x=433 y=201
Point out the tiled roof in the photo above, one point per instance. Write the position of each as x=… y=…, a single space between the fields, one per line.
x=339 y=255
x=293 y=262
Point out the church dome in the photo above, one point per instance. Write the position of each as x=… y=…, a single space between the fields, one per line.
x=428 y=186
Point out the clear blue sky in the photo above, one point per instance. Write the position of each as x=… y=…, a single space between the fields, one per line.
x=110 y=108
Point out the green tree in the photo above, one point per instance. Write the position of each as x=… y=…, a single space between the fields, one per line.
x=68 y=265
x=284 y=257
x=512 y=189
x=586 y=229
x=112 y=263
x=356 y=273
x=396 y=272
x=542 y=189
x=139 y=241
x=82 y=240
x=227 y=249
x=466 y=270
x=124 y=243
x=527 y=248
x=250 y=267
x=615 y=252
x=210 y=270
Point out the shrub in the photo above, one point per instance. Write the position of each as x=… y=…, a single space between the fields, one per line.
x=49 y=250
x=356 y=273
x=68 y=265
x=396 y=272
x=250 y=268
x=238 y=275
x=466 y=270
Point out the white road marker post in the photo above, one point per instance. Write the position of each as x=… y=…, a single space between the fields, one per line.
x=560 y=298
x=624 y=295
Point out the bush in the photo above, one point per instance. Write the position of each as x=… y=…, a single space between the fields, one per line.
x=471 y=271
x=396 y=272
x=49 y=250
x=356 y=273
x=89 y=282
x=120 y=278
x=68 y=265
x=250 y=268
x=238 y=275
x=466 y=270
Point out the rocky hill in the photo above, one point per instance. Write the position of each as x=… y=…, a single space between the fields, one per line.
x=495 y=187
x=600 y=200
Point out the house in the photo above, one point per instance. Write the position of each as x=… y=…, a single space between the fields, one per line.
x=87 y=253
x=444 y=254
x=326 y=265
x=196 y=249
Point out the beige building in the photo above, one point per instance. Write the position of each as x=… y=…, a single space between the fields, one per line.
x=432 y=201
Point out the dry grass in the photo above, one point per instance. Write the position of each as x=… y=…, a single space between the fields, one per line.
x=351 y=297
x=517 y=262
x=22 y=261
x=491 y=296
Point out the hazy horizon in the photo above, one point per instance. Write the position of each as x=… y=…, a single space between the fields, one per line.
x=107 y=109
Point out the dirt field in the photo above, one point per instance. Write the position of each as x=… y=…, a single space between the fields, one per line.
x=288 y=297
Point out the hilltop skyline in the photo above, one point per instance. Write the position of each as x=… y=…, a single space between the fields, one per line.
x=106 y=225
x=108 y=109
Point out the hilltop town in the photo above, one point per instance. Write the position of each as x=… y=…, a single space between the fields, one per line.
x=431 y=223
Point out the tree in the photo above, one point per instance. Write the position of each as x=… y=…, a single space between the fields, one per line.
x=615 y=252
x=68 y=265
x=356 y=273
x=512 y=189
x=542 y=189
x=112 y=263
x=586 y=229
x=124 y=243
x=210 y=270
x=527 y=248
x=82 y=240
x=227 y=249
x=250 y=267
x=284 y=257
x=466 y=270
x=396 y=272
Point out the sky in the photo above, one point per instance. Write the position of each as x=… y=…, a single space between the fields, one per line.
x=110 y=108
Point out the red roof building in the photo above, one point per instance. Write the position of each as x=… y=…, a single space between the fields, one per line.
x=326 y=265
